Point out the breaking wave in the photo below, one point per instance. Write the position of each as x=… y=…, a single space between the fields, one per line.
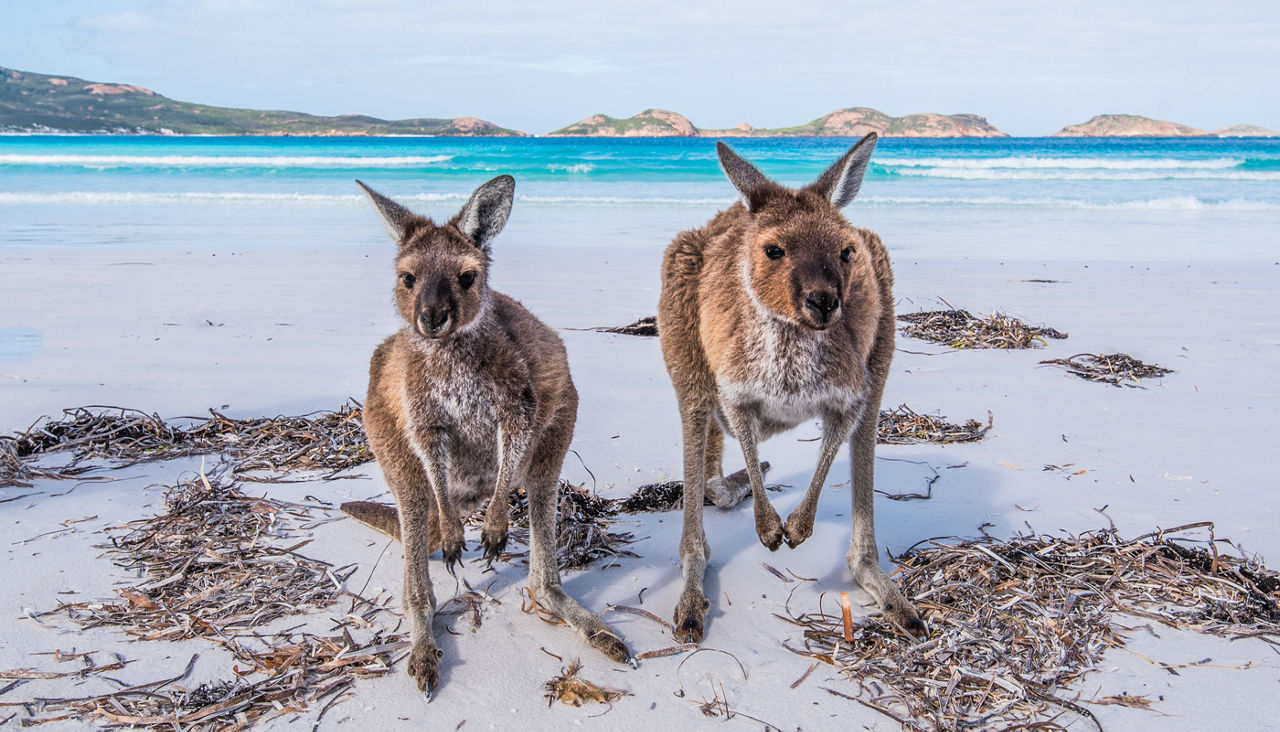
x=222 y=161
x=1171 y=203
x=1033 y=168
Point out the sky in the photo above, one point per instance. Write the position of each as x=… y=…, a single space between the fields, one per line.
x=1029 y=67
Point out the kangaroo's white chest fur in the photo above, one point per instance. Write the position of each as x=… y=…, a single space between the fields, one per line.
x=784 y=373
x=462 y=400
x=458 y=393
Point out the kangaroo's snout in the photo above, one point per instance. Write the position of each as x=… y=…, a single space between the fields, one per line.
x=821 y=306
x=824 y=302
x=433 y=322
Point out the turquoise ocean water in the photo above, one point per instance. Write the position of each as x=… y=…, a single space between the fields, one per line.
x=1020 y=197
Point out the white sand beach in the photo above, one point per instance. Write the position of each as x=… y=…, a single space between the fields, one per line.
x=283 y=326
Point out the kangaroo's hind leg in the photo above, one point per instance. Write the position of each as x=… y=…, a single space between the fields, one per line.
x=541 y=484
x=864 y=555
x=418 y=530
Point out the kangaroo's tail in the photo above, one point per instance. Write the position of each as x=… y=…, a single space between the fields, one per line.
x=380 y=516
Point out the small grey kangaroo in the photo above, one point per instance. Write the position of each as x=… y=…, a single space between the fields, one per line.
x=776 y=312
x=471 y=399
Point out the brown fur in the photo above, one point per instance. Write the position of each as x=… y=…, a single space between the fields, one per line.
x=755 y=344
x=468 y=401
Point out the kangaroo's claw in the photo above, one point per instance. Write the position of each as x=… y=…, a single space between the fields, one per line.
x=494 y=543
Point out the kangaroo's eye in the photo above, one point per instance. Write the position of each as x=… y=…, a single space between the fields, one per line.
x=847 y=254
x=466 y=279
x=408 y=280
x=773 y=252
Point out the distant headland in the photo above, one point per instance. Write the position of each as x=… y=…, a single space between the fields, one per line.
x=41 y=103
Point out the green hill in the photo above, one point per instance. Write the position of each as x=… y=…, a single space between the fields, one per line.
x=41 y=103
x=649 y=123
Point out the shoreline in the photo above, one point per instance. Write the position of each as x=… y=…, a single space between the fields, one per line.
x=532 y=136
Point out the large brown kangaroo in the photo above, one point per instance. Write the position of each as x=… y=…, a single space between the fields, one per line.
x=776 y=312
x=469 y=400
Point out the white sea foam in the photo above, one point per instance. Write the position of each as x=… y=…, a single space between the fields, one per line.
x=124 y=198
x=1170 y=203
x=1110 y=175
x=575 y=168
x=128 y=198
x=1040 y=163
x=223 y=161
x=138 y=197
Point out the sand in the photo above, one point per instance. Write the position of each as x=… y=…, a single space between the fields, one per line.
x=285 y=330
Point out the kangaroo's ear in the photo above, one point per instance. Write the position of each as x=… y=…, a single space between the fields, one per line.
x=487 y=211
x=750 y=182
x=840 y=183
x=395 y=217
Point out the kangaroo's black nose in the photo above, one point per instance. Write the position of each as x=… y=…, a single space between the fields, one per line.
x=824 y=301
x=433 y=320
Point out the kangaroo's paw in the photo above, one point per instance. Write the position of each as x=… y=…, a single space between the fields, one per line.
x=798 y=528
x=424 y=661
x=451 y=552
x=608 y=643
x=494 y=541
x=690 y=612
x=768 y=527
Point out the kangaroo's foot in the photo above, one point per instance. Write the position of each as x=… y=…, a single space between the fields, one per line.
x=768 y=525
x=690 y=613
x=603 y=639
x=493 y=538
x=424 y=660
x=897 y=609
x=799 y=527
x=905 y=616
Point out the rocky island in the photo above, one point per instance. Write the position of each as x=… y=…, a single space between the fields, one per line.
x=1129 y=125
x=858 y=121
x=851 y=122
x=649 y=123
x=1245 y=131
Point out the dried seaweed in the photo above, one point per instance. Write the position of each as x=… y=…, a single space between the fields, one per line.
x=217 y=566
x=582 y=519
x=903 y=426
x=1117 y=369
x=331 y=441
x=655 y=497
x=1014 y=623
x=961 y=329
x=646 y=326
x=571 y=689
x=298 y=670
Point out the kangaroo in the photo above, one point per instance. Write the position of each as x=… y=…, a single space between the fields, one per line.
x=775 y=312
x=471 y=399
